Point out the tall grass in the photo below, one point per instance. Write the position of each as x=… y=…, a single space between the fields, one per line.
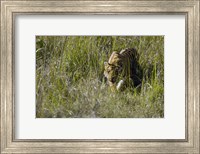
x=70 y=81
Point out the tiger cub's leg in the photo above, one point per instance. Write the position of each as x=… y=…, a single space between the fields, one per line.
x=120 y=85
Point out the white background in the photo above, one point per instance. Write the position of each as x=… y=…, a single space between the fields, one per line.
x=172 y=126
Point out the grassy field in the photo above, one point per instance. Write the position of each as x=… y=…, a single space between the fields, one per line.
x=70 y=80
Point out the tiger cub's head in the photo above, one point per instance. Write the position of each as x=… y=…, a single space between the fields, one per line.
x=113 y=68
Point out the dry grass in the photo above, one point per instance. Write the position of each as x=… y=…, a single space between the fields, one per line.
x=70 y=81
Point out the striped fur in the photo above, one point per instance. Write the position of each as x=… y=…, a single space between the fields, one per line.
x=121 y=67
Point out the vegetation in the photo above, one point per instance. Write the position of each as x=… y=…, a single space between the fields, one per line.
x=70 y=80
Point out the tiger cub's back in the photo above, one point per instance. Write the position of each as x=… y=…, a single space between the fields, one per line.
x=130 y=61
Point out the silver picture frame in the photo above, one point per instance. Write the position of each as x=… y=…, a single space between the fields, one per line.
x=190 y=9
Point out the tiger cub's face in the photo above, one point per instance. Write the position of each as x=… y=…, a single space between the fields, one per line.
x=112 y=68
x=110 y=72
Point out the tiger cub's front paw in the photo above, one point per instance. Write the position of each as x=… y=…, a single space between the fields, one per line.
x=120 y=85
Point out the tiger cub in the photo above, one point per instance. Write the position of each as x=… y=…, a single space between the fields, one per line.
x=122 y=69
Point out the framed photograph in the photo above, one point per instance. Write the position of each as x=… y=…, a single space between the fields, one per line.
x=100 y=76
